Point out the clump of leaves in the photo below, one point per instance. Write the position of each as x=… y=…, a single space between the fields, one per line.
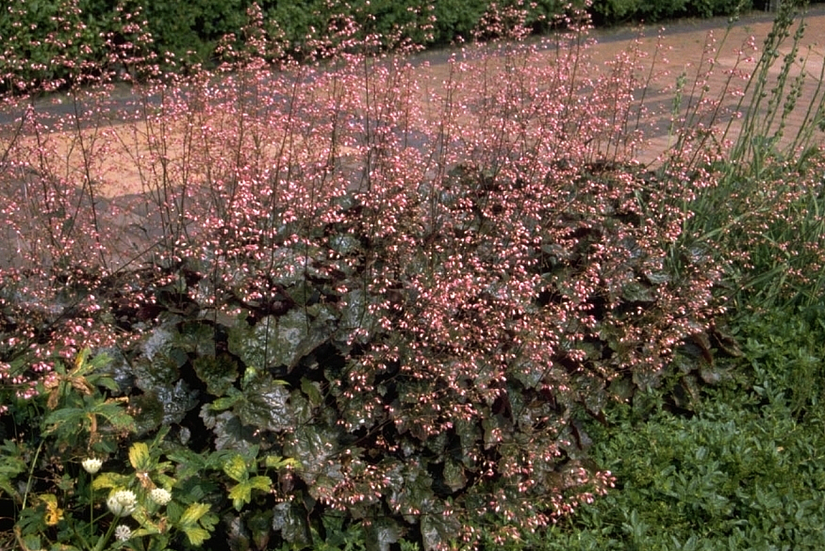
x=149 y=495
x=743 y=471
x=410 y=377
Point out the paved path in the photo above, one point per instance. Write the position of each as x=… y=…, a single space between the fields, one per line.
x=682 y=47
x=682 y=43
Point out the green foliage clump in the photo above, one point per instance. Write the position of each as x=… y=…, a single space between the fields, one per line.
x=51 y=477
x=743 y=471
x=766 y=215
x=192 y=30
x=88 y=35
x=46 y=42
x=612 y=12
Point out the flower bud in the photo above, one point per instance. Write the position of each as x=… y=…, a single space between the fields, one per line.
x=122 y=503
x=92 y=465
x=123 y=532
x=160 y=496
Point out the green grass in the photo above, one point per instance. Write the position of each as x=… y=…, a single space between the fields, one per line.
x=746 y=470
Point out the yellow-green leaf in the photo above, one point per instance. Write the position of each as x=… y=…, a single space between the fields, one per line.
x=139 y=457
x=227 y=401
x=80 y=360
x=147 y=528
x=148 y=524
x=235 y=468
x=192 y=514
x=196 y=534
x=278 y=462
x=241 y=495
x=263 y=483
x=110 y=480
x=53 y=513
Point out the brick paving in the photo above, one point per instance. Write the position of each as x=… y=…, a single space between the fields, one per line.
x=681 y=43
x=680 y=47
x=684 y=45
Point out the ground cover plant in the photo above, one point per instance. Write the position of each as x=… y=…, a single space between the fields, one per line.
x=338 y=303
x=744 y=472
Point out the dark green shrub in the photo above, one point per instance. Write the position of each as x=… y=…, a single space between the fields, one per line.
x=191 y=29
x=48 y=42
x=612 y=12
x=299 y=21
x=711 y=8
x=609 y=12
x=186 y=33
x=457 y=19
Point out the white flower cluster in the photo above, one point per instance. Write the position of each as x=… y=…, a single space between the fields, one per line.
x=160 y=496
x=92 y=465
x=122 y=503
x=123 y=532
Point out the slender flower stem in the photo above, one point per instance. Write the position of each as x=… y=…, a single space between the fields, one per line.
x=101 y=543
x=92 y=506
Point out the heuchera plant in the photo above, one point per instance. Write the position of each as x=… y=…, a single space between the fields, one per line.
x=408 y=282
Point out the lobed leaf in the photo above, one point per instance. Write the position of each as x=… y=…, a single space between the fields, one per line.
x=193 y=514
x=236 y=468
x=140 y=458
